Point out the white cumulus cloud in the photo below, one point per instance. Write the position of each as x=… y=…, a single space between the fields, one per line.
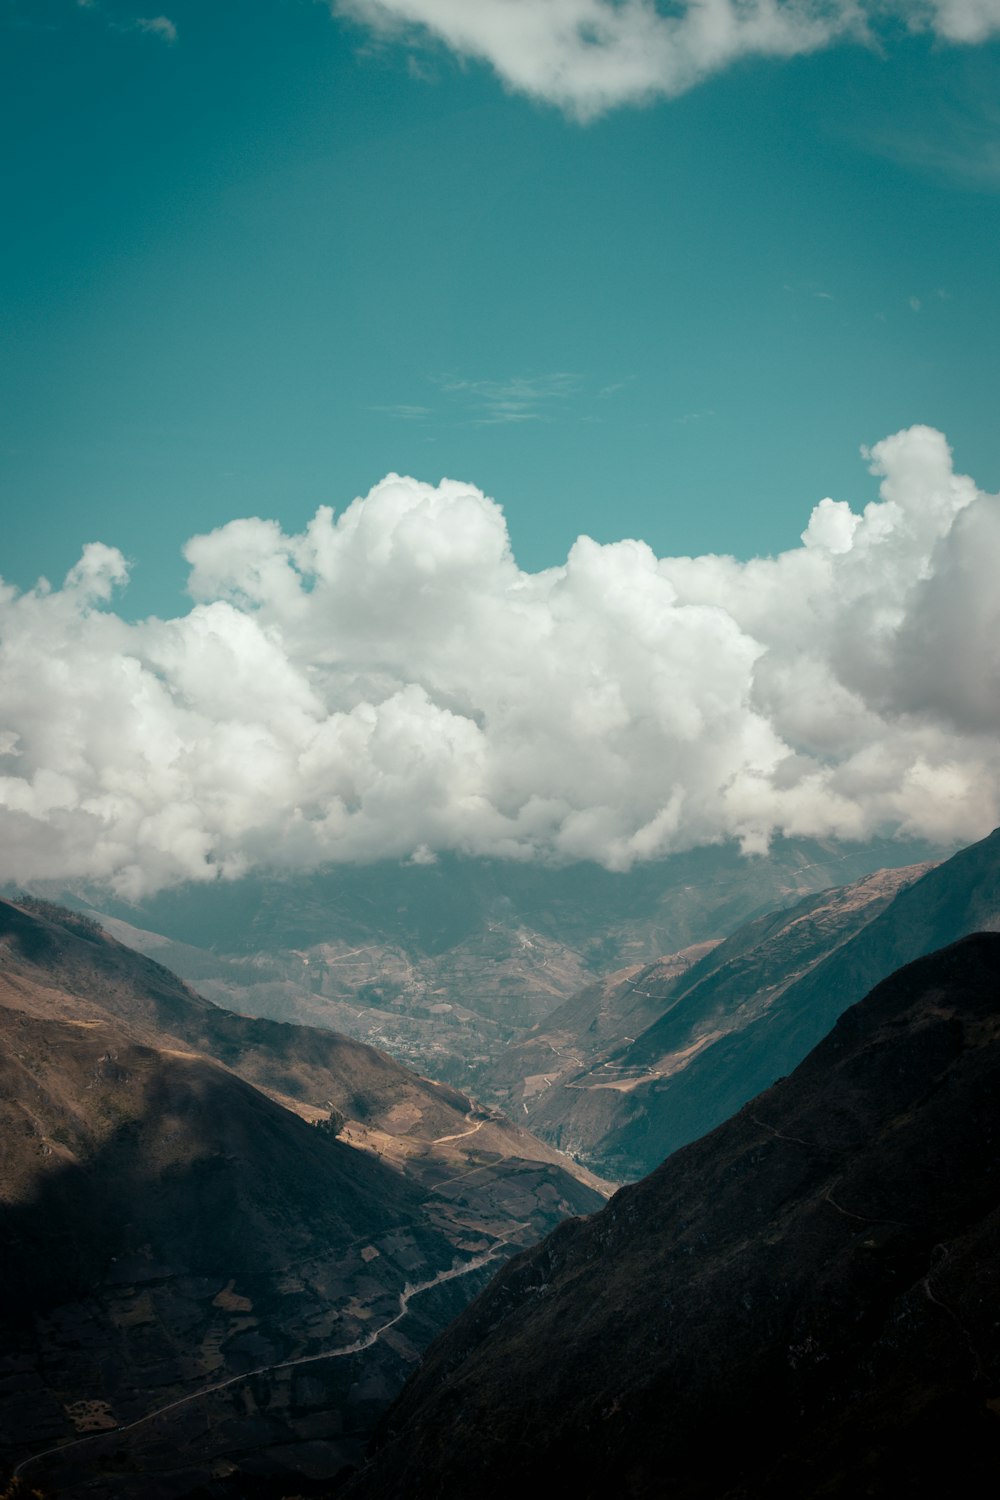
x=390 y=683
x=588 y=56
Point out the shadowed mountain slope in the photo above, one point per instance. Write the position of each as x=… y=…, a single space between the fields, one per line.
x=52 y=962
x=802 y=1303
x=185 y=1260
x=121 y=1159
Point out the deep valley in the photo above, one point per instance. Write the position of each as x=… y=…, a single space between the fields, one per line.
x=229 y=1238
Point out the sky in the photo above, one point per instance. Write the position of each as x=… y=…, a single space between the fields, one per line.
x=663 y=272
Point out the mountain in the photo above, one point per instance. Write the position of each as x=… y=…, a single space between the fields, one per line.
x=173 y=1221
x=666 y=1051
x=750 y=1010
x=444 y=964
x=801 y=1303
x=585 y=1030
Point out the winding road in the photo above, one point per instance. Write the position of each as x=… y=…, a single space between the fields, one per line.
x=461 y=1135
x=405 y=1298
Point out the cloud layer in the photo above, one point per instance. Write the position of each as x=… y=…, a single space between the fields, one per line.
x=587 y=56
x=390 y=683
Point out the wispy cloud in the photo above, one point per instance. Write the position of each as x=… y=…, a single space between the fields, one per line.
x=521 y=398
x=808 y=289
x=480 y=401
x=954 y=138
x=158 y=26
x=589 y=56
x=405 y=411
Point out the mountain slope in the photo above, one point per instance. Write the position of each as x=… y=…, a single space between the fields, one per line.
x=585 y=1029
x=116 y=1152
x=706 y=1028
x=950 y=901
x=801 y=1303
x=752 y=1009
x=52 y=961
x=171 y=1220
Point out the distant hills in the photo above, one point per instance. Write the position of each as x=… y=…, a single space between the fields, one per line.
x=802 y=1303
x=188 y=1195
x=444 y=965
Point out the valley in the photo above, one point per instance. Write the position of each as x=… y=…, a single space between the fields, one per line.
x=238 y=1233
x=446 y=965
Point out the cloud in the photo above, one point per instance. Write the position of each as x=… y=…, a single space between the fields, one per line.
x=405 y=411
x=589 y=56
x=955 y=141
x=522 y=398
x=470 y=402
x=159 y=26
x=955 y=20
x=390 y=684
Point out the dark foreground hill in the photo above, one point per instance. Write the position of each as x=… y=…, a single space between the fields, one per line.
x=191 y=1274
x=802 y=1303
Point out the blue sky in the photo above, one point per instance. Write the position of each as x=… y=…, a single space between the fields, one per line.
x=258 y=255
x=651 y=269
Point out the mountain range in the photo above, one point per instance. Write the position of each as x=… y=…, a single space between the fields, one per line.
x=229 y=1238
x=444 y=965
